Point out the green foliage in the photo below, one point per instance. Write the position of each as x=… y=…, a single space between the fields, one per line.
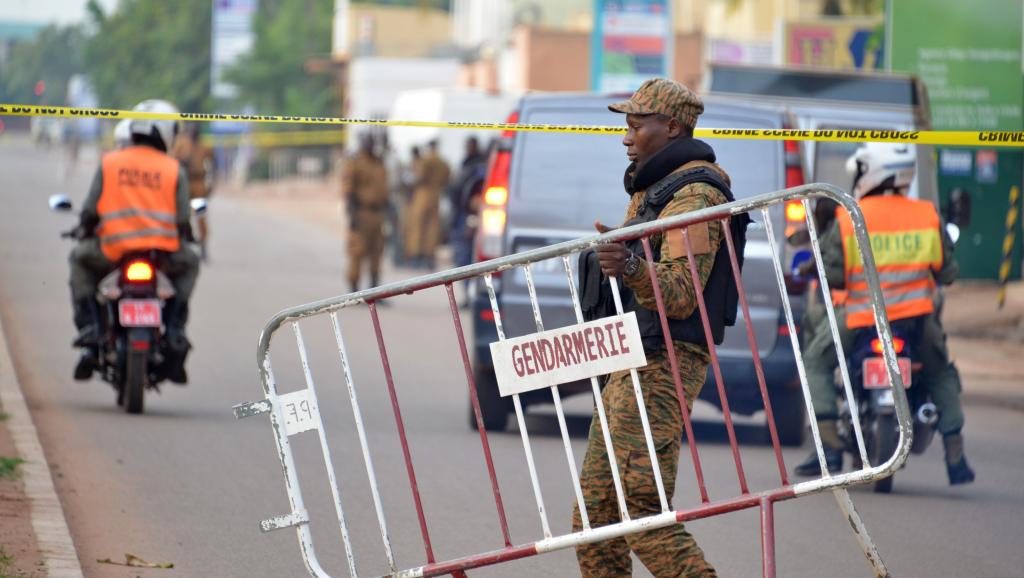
x=151 y=49
x=272 y=77
x=9 y=467
x=52 y=56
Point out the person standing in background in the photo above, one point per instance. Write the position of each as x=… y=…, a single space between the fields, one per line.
x=424 y=214
x=365 y=190
x=464 y=195
x=197 y=158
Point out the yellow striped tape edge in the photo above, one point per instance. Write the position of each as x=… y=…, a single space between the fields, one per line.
x=935 y=137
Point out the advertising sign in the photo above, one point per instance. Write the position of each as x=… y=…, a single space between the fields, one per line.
x=834 y=43
x=969 y=57
x=728 y=51
x=231 y=37
x=568 y=354
x=632 y=42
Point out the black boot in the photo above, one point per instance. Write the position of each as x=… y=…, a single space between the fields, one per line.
x=956 y=463
x=87 y=320
x=175 y=343
x=832 y=446
x=811 y=466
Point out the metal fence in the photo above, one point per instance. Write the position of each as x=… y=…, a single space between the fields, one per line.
x=297 y=412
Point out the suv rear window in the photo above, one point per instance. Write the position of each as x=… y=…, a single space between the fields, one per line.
x=569 y=166
x=566 y=166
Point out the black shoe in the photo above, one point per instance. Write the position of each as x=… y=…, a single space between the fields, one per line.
x=811 y=466
x=956 y=463
x=88 y=362
x=959 y=473
x=175 y=345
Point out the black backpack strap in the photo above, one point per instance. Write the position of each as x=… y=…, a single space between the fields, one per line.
x=662 y=191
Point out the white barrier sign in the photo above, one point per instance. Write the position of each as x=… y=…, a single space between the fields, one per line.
x=568 y=354
x=299 y=411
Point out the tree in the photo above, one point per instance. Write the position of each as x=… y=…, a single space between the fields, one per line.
x=272 y=77
x=45 y=62
x=151 y=49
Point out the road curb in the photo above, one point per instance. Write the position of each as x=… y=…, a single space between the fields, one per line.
x=56 y=548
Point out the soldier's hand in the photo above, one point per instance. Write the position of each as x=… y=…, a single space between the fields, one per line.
x=611 y=256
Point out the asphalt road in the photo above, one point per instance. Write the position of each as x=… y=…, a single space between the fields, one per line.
x=187 y=483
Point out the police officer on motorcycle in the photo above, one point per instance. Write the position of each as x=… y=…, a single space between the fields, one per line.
x=138 y=201
x=913 y=254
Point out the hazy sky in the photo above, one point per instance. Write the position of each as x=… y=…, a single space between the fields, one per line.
x=46 y=11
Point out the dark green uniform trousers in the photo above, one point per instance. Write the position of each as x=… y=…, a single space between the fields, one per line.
x=938 y=374
x=669 y=552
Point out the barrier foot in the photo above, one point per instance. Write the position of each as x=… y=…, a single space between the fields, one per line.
x=767 y=537
x=859 y=530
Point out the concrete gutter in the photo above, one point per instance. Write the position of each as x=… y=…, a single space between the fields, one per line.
x=48 y=522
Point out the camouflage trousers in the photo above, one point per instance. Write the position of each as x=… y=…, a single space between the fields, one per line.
x=669 y=552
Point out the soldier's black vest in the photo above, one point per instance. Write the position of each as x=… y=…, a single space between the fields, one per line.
x=720 y=295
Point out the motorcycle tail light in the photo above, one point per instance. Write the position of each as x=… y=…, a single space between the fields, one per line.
x=139 y=272
x=897 y=344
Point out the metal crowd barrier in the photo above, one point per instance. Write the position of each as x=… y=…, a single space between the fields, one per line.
x=286 y=424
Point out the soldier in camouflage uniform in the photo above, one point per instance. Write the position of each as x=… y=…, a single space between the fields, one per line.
x=660 y=116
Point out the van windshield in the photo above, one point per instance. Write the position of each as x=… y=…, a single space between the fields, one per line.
x=573 y=167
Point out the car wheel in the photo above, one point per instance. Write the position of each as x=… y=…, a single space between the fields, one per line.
x=494 y=409
x=790 y=417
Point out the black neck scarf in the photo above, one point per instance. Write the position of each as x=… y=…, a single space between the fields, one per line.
x=675 y=154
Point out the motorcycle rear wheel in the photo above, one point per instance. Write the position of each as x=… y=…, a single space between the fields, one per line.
x=885 y=439
x=136 y=374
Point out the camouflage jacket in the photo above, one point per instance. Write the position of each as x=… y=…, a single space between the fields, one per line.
x=674 y=274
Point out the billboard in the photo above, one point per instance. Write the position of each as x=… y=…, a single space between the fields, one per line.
x=854 y=43
x=969 y=57
x=631 y=42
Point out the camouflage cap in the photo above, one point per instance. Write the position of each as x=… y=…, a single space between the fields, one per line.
x=663 y=96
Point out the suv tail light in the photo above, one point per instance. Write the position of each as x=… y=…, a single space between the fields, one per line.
x=138 y=271
x=794 y=166
x=491 y=235
x=795 y=211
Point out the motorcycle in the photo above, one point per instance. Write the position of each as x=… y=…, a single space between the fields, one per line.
x=876 y=408
x=131 y=301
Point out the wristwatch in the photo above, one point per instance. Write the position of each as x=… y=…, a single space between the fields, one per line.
x=632 y=265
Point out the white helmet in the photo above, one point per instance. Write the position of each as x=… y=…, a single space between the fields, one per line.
x=881 y=164
x=166 y=130
x=123 y=133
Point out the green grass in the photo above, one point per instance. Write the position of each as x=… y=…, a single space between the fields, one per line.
x=9 y=470
x=6 y=561
x=4 y=415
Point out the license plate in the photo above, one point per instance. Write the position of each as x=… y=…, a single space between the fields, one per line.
x=139 y=312
x=875 y=375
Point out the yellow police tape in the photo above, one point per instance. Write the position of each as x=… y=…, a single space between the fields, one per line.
x=272 y=139
x=933 y=137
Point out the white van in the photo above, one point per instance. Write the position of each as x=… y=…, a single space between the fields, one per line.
x=445 y=105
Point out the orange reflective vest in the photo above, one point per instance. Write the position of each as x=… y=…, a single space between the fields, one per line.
x=138 y=204
x=907 y=247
